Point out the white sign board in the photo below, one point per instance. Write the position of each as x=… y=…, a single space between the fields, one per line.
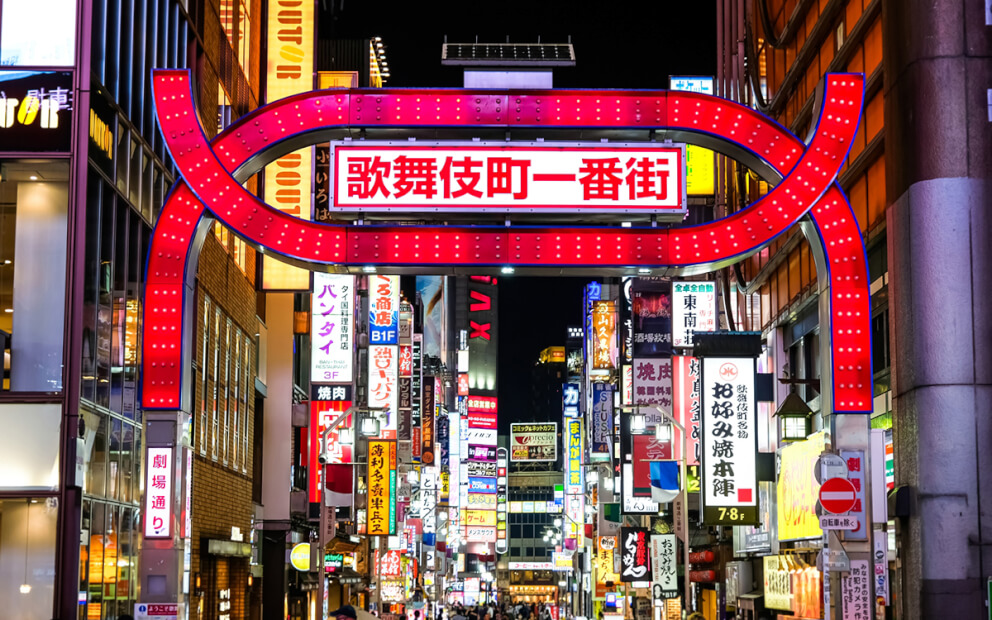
x=156 y=611
x=838 y=522
x=332 y=328
x=693 y=310
x=729 y=439
x=855 y=592
x=506 y=178
x=158 y=493
x=663 y=566
x=384 y=383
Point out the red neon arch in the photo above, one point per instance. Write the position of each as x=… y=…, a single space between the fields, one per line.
x=810 y=181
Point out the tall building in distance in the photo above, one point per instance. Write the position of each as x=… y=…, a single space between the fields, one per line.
x=547 y=376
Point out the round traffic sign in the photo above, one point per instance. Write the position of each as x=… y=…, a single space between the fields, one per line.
x=837 y=495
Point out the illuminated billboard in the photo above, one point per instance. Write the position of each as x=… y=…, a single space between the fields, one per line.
x=289 y=71
x=498 y=177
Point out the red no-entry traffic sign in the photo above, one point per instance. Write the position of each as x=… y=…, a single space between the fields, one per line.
x=837 y=495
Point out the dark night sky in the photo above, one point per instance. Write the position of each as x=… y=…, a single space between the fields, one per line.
x=617 y=45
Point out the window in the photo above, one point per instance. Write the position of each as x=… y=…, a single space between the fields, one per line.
x=215 y=379
x=245 y=395
x=223 y=108
x=225 y=391
x=34 y=200
x=27 y=556
x=235 y=405
x=203 y=375
x=244 y=37
x=39 y=33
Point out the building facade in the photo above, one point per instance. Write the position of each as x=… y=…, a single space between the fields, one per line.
x=917 y=175
x=85 y=172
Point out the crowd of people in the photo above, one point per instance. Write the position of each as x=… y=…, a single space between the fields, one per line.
x=501 y=611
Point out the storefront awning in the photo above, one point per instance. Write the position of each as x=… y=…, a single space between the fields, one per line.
x=342 y=544
x=229 y=548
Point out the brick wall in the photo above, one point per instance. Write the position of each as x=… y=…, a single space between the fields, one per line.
x=222 y=491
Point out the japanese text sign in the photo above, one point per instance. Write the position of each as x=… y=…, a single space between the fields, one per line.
x=570 y=400
x=663 y=565
x=574 y=480
x=158 y=493
x=653 y=382
x=693 y=309
x=332 y=328
x=635 y=561
x=651 y=306
x=602 y=418
x=384 y=384
x=506 y=178
x=855 y=591
x=604 y=335
x=686 y=402
x=729 y=443
x=380 y=487
x=384 y=309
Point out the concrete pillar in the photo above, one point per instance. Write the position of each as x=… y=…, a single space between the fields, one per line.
x=938 y=149
x=277 y=451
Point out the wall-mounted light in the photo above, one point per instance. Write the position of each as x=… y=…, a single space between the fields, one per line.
x=637 y=422
x=251 y=580
x=346 y=436
x=370 y=427
x=664 y=433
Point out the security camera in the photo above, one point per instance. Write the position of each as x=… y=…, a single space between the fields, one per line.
x=322 y=458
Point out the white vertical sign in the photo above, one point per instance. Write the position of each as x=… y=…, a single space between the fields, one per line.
x=728 y=448
x=880 y=542
x=663 y=567
x=332 y=328
x=693 y=310
x=383 y=383
x=158 y=493
x=855 y=592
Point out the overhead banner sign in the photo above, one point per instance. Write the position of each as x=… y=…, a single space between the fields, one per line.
x=384 y=309
x=602 y=418
x=635 y=559
x=686 y=403
x=498 y=177
x=332 y=328
x=381 y=513
x=730 y=482
x=604 y=335
x=693 y=310
x=534 y=442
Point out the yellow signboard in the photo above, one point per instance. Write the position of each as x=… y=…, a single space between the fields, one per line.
x=699 y=171
x=798 y=490
x=299 y=557
x=380 y=491
x=289 y=72
x=485 y=518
